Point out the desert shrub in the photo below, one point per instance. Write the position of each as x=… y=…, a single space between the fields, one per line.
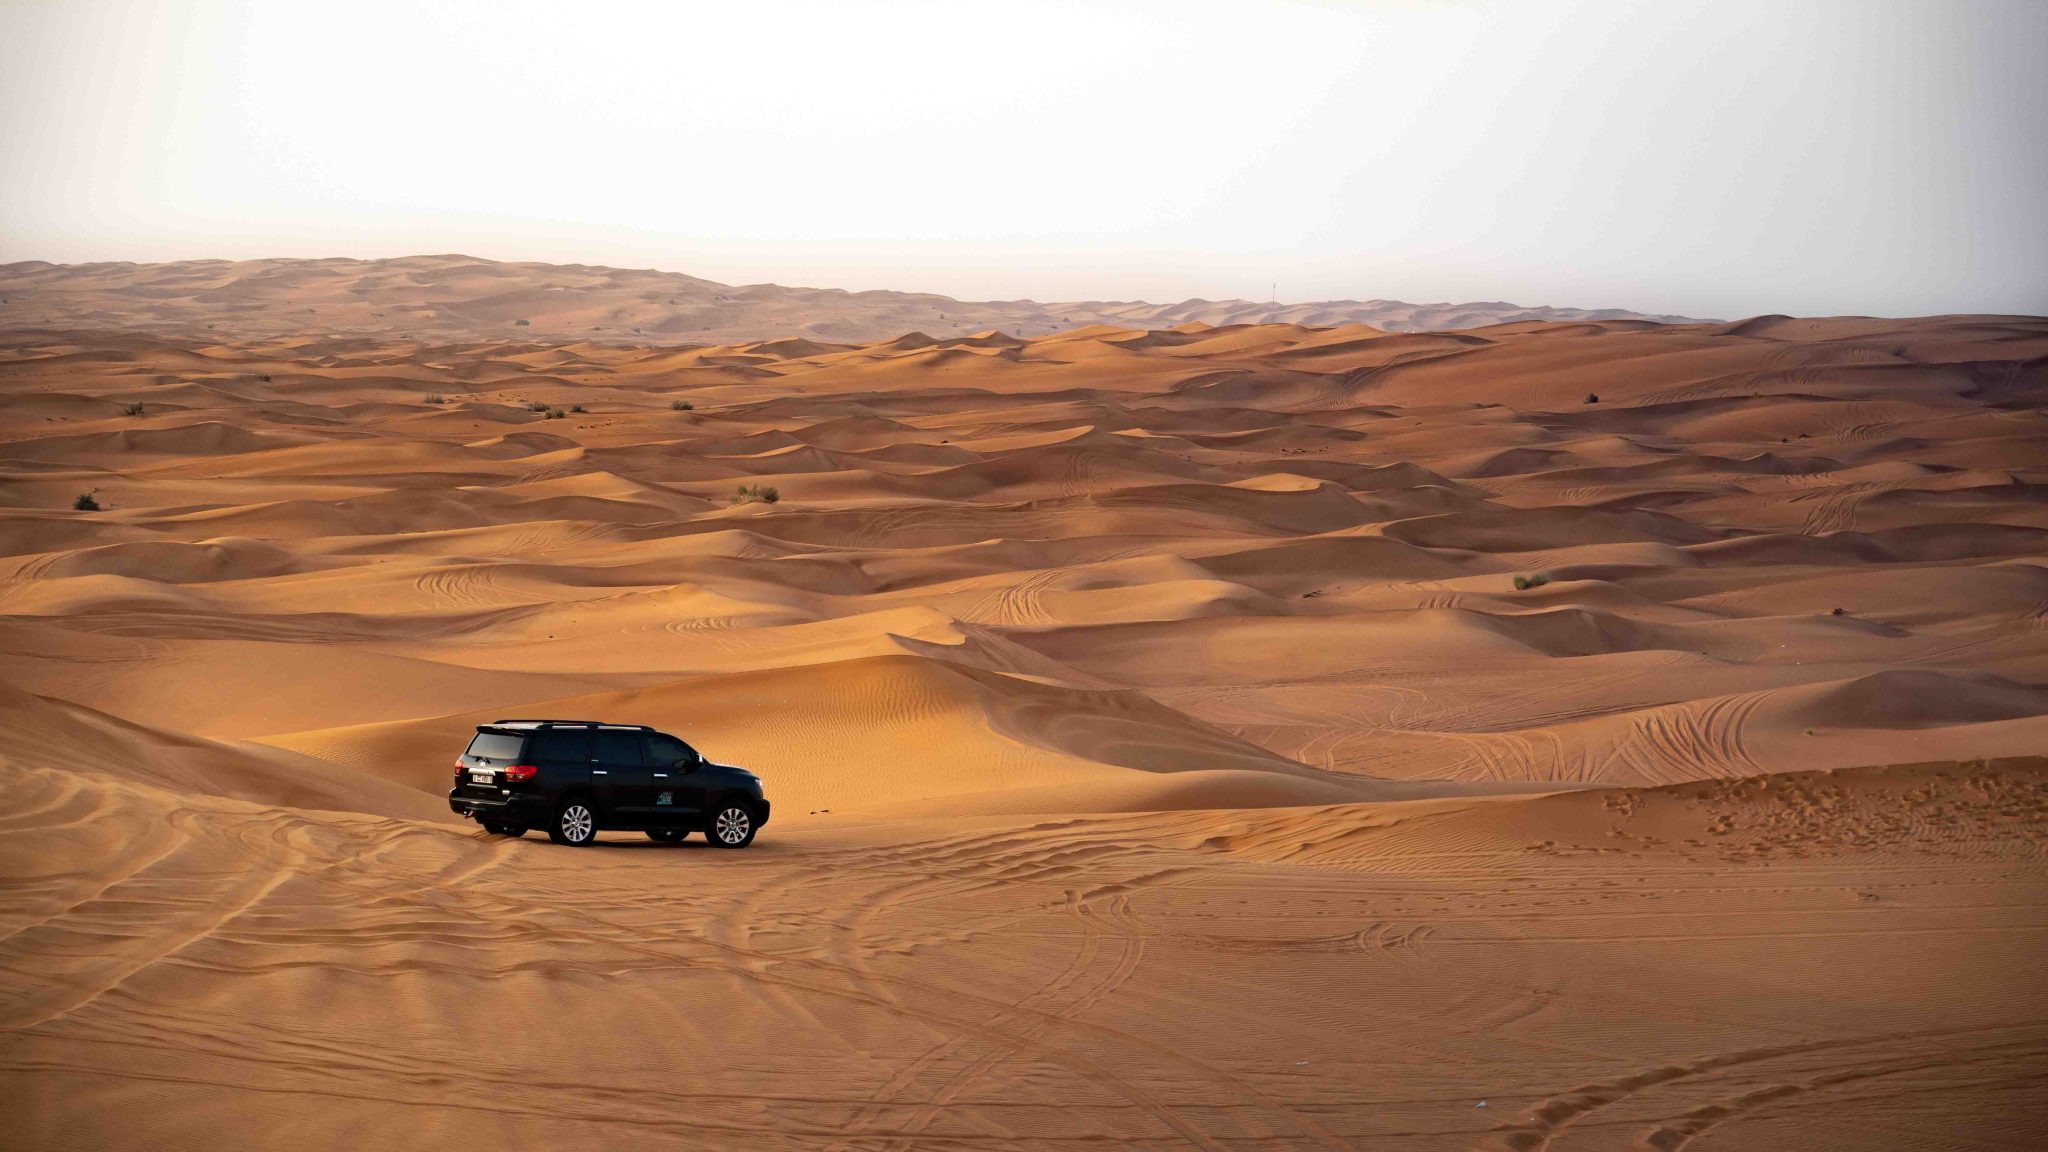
x=537 y=406
x=578 y=408
x=755 y=494
x=1592 y=397
x=134 y=409
x=683 y=406
x=263 y=379
x=552 y=414
x=1524 y=583
x=519 y=323
x=86 y=503
x=436 y=398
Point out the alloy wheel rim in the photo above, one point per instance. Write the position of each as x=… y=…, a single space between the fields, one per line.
x=576 y=822
x=732 y=825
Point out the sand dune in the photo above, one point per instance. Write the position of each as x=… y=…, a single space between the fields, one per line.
x=1189 y=727
x=1129 y=523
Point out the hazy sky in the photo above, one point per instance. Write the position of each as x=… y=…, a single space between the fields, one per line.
x=1721 y=159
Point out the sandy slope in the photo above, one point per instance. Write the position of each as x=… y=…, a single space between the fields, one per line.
x=1163 y=753
x=463 y=297
x=1817 y=961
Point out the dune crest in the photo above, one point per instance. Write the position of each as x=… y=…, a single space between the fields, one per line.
x=464 y=298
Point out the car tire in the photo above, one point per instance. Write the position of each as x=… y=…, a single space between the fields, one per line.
x=575 y=823
x=668 y=835
x=733 y=825
x=497 y=829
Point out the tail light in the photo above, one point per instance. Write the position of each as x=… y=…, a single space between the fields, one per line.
x=521 y=773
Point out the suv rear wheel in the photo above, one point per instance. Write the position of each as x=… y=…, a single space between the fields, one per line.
x=575 y=823
x=732 y=826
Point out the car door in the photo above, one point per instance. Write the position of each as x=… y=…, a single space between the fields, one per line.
x=672 y=767
x=619 y=777
x=562 y=756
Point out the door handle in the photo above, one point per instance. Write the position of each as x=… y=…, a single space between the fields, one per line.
x=661 y=775
x=599 y=772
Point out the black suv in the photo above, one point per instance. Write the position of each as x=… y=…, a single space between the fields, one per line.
x=575 y=777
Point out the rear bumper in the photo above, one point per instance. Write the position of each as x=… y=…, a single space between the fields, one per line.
x=512 y=808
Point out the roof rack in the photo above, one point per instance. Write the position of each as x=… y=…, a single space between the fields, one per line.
x=571 y=724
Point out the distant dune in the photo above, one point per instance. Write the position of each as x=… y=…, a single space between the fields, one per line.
x=465 y=298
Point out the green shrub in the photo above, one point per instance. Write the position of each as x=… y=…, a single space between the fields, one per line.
x=134 y=409
x=537 y=406
x=1524 y=583
x=86 y=503
x=683 y=406
x=519 y=323
x=578 y=408
x=436 y=398
x=755 y=494
x=552 y=414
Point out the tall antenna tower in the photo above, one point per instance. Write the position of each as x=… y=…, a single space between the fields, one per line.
x=1275 y=297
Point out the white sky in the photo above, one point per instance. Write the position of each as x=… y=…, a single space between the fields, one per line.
x=1718 y=159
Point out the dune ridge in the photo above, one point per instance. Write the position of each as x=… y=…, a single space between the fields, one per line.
x=454 y=297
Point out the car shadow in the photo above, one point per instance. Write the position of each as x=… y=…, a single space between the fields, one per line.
x=696 y=843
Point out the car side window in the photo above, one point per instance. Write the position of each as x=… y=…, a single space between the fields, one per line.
x=667 y=751
x=570 y=744
x=615 y=747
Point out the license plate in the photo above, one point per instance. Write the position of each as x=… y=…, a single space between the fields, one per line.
x=485 y=776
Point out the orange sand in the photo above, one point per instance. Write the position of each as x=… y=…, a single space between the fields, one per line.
x=1162 y=753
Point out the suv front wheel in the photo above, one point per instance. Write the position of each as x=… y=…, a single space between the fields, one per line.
x=732 y=826
x=575 y=823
